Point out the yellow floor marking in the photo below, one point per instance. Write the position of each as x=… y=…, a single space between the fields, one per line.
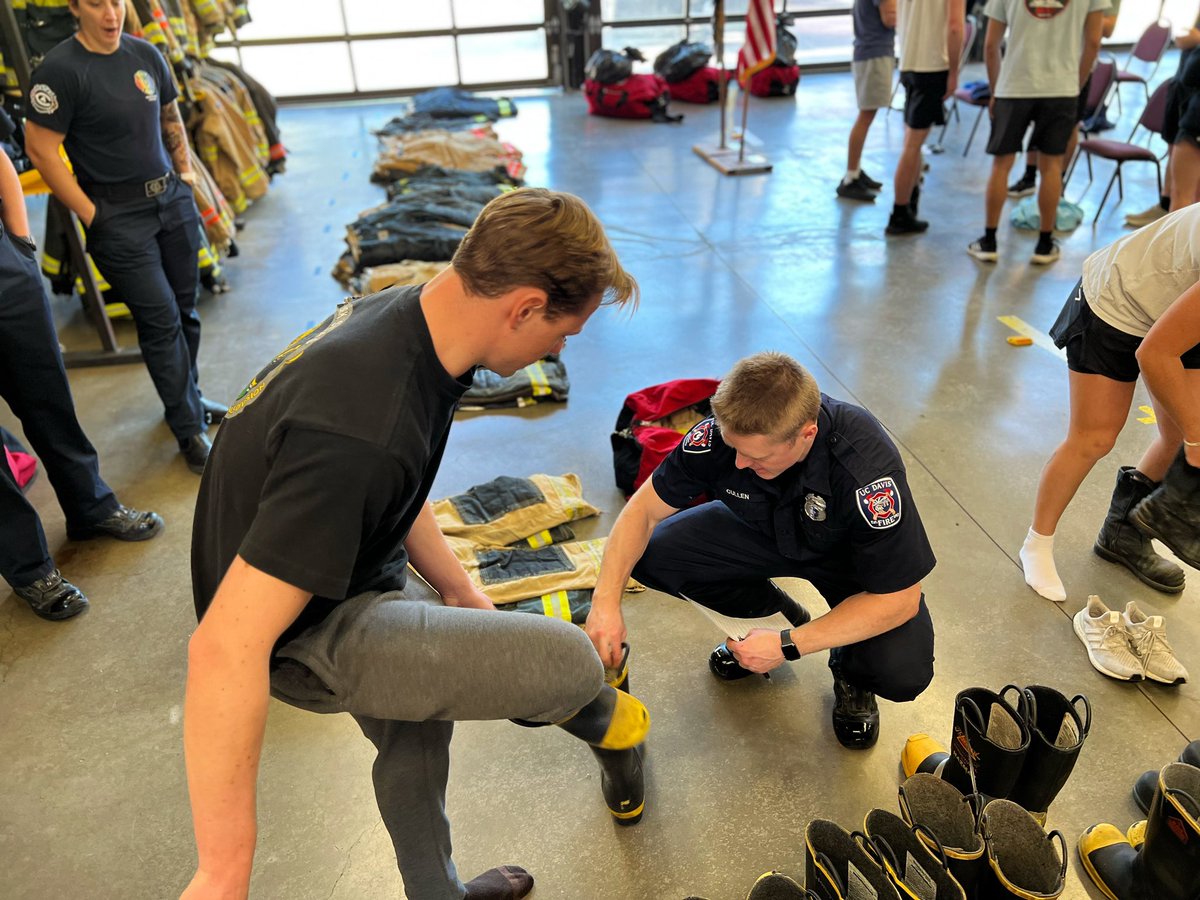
x=1149 y=418
x=1020 y=326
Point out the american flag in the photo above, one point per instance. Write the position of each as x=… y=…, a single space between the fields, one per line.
x=758 y=51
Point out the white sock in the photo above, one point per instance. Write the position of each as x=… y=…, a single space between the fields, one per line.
x=1037 y=559
x=850 y=175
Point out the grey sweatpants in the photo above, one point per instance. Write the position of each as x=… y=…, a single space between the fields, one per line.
x=406 y=667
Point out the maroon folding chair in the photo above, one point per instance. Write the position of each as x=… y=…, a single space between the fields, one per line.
x=969 y=29
x=1149 y=50
x=1122 y=152
x=1103 y=78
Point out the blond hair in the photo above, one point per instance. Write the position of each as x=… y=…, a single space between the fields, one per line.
x=767 y=394
x=533 y=237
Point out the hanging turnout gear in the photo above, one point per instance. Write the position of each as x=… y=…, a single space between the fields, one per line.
x=1022 y=860
x=1166 y=866
x=1121 y=542
x=1172 y=512
x=945 y=820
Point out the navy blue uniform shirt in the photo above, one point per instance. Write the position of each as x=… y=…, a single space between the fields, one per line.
x=109 y=107
x=844 y=512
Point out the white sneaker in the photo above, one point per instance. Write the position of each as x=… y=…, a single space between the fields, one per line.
x=1150 y=645
x=1103 y=632
x=1146 y=216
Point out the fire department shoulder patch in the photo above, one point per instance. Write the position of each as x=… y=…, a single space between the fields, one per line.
x=879 y=503
x=699 y=439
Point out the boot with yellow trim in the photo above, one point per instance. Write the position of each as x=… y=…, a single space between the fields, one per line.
x=621 y=778
x=837 y=867
x=1057 y=729
x=1022 y=860
x=774 y=886
x=989 y=742
x=913 y=869
x=1167 y=864
x=1147 y=784
x=946 y=822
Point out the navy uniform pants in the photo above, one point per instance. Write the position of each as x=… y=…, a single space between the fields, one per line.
x=707 y=554
x=146 y=248
x=34 y=384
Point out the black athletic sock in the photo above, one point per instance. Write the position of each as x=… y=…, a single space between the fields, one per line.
x=1030 y=173
x=900 y=209
x=989 y=235
x=1045 y=242
x=1165 y=202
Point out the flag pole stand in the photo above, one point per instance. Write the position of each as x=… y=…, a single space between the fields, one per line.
x=725 y=159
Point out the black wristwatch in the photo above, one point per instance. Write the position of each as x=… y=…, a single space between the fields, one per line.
x=790 y=652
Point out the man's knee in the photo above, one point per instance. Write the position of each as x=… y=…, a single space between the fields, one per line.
x=906 y=682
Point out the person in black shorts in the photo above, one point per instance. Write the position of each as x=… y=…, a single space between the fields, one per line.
x=1050 y=53
x=1135 y=311
x=930 y=34
x=801 y=486
x=109 y=99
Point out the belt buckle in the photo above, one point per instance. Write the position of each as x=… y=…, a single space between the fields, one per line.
x=156 y=186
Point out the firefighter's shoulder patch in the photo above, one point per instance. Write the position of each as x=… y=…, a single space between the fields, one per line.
x=879 y=503
x=700 y=438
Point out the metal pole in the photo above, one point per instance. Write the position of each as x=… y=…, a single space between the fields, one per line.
x=745 y=116
x=719 y=40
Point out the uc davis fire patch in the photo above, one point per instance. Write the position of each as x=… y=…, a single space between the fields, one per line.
x=879 y=503
x=699 y=439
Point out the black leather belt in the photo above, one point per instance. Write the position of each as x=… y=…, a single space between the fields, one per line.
x=136 y=190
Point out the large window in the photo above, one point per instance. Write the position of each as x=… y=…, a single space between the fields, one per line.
x=364 y=46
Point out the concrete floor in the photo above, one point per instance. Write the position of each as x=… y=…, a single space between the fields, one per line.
x=92 y=795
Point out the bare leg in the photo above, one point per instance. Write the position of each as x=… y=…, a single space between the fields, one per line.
x=1050 y=168
x=997 y=189
x=908 y=167
x=1158 y=456
x=858 y=138
x=1099 y=408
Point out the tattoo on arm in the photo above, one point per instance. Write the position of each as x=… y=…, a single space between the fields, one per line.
x=175 y=138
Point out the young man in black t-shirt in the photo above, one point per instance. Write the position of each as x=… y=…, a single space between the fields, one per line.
x=802 y=486
x=314 y=504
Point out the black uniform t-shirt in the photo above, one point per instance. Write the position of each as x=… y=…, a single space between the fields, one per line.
x=327 y=457
x=844 y=512
x=108 y=106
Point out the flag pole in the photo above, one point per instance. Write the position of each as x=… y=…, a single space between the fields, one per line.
x=719 y=41
x=745 y=117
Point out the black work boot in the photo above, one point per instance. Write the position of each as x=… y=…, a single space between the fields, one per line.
x=948 y=824
x=1167 y=865
x=1143 y=789
x=908 y=861
x=1057 y=731
x=723 y=664
x=836 y=866
x=1172 y=512
x=855 y=714
x=1022 y=860
x=621 y=779
x=1120 y=542
x=53 y=597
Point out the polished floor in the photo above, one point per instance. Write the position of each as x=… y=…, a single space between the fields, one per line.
x=92 y=794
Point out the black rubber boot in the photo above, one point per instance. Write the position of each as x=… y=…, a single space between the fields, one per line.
x=1120 y=542
x=1143 y=789
x=1022 y=860
x=945 y=821
x=910 y=865
x=1172 y=512
x=988 y=744
x=834 y=863
x=621 y=778
x=1167 y=865
x=855 y=714
x=1057 y=731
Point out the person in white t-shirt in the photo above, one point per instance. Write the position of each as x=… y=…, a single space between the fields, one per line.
x=1136 y=310
x=1052 y=46
x=930 y=36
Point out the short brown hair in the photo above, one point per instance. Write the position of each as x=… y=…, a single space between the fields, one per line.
x=768 y=393
x=533 y=237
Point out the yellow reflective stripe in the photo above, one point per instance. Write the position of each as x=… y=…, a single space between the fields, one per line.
x=538 y=378
x=251 y=175
x=50 y=265
x=557 y=605
x=548 y=605
x=541 y=539
x=240 y=203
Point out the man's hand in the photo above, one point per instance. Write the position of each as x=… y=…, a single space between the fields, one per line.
x=606 y=628
x=469 y=599
x=759 y=651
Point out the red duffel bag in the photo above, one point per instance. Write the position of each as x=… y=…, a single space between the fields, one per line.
x=775 y=81
x=637 y=97
x=652 y=423
x=702 y=86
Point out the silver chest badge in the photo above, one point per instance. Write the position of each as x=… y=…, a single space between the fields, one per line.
x=814 y=507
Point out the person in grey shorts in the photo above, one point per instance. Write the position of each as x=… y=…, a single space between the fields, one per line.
x=874 y=64
x=314 y=504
